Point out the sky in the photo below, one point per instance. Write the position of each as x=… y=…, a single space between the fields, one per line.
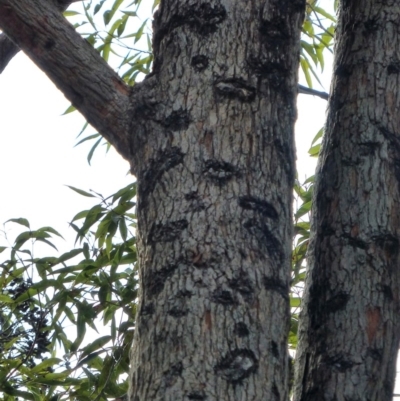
x=38 y=158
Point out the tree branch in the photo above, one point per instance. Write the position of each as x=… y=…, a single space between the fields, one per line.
x=7 y=51
x=7 y=47
x=40 y=30
x=308 y=91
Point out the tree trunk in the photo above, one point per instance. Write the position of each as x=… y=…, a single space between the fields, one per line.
x=209 y=135
x=349 y=331
x=215 y=159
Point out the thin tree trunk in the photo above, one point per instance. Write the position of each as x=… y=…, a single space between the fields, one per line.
x=216 y=159
x=349 y=331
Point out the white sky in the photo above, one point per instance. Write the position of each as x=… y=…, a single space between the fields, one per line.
x=38 y=158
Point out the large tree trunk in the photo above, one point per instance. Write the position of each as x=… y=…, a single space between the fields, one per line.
x=349 y=332
x=216 y=168
x=209 y=135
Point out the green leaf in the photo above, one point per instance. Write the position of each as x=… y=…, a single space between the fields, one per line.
x=50 y=230
x=295 y=302
x=88 y=138
x=69 y=110
x=123 y=229
x=90 y=154
x=318 y=136
x=22 y=221
x=70 y=13
x=47 y=363
x=314 y=151
x=81 y=192
x=6 y=298
x=95 y=345
x=304 y=209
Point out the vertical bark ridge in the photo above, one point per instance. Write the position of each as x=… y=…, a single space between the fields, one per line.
x=216 y=167
x=349 y=331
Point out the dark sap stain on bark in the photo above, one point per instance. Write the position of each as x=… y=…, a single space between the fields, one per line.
x=167 y=232
x=177 y=312
x=274 y=349
x=237 y=365
x=337 y=303
x=143 y=112
x=196 y=395
x=265 y=238
x=219 y=172
x=202 y=18
x=339 y=363
x=375 y=353
x=286 y=154
x=355 y=242
x=205 y=18
x=274 y=284
x=274 y=29
x=199 y=62
x=165 y=160
x=371 y=26
x=49 y=44
x=241 y=329
x=178 y=120
x=147 y=309
x=387 y=292
x=172 y=374
x=368 y=148
x=244 y=286
x=235 y=88
x=184 y=294
x=389 y=245
x=275 y=392
x=343 y=71
x=258 y=205
x=265 y=67
x=223 y=297
x=154 y=282
x=195 y=201
x=295 y=6
x=394 y=67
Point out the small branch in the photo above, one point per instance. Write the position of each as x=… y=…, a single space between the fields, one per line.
x=94 y=88
x=308 y=91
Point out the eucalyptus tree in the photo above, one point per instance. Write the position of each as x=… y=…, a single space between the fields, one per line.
x=209 y=136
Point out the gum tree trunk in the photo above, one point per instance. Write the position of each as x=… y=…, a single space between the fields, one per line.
x=216 y=159
x=349 y=332
x=209 y=135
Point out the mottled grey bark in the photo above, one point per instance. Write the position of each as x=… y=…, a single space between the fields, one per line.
x=216 y=171
x=209 y=135
x=349 y=332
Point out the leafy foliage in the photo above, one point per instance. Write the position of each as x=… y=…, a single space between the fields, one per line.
x=45 y=302
x=51 y=307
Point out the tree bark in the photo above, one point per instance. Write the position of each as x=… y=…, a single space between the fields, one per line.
x=349 y=330
x=40 y=30
x=215 y=195
x=8 y=49
x=210 y=136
